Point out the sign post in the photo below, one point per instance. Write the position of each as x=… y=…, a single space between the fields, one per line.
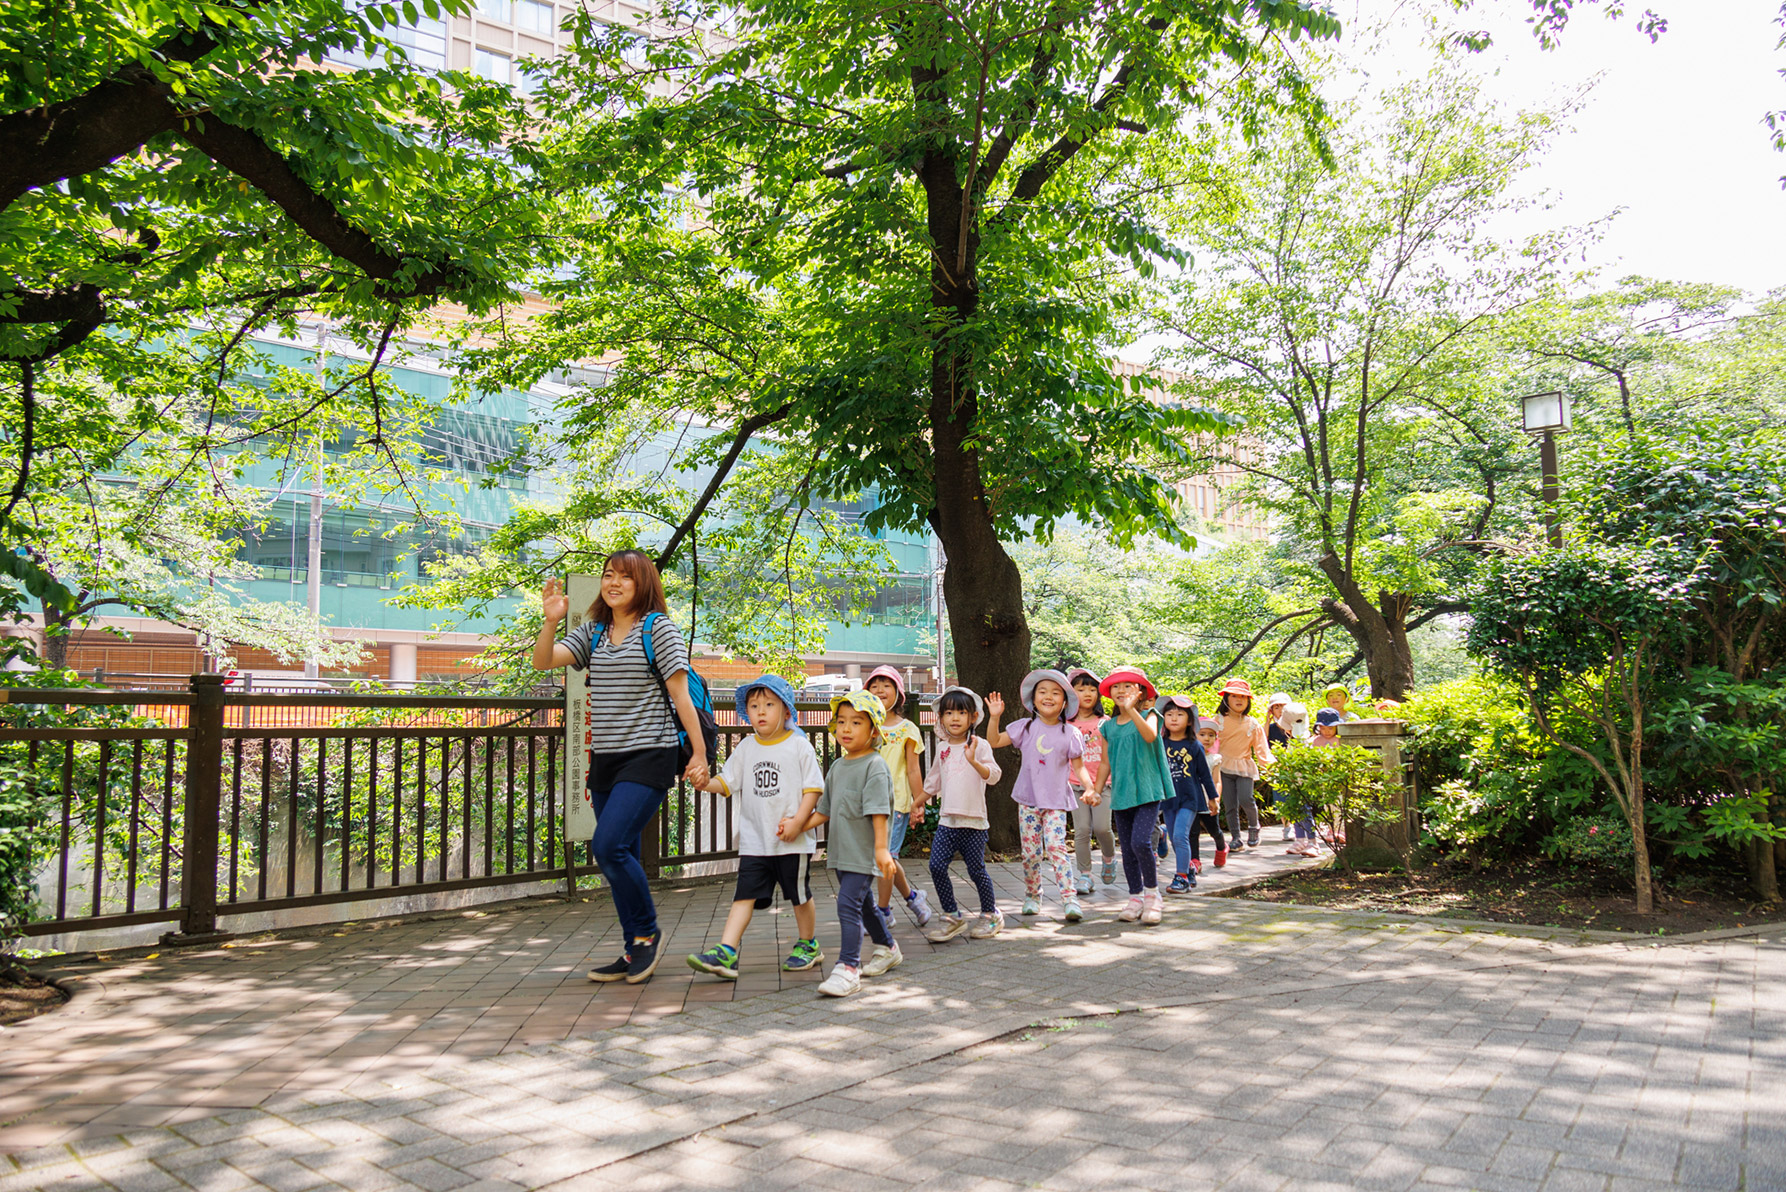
x=579 y=813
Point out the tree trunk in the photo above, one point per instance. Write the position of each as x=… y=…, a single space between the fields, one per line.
x=1646 y=895
x=56 y=636
x=1381 y=633
x=1765 y=867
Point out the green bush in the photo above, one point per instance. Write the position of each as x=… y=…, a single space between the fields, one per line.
x=1594 y=842
x=1489 y=785
x=1341 y=783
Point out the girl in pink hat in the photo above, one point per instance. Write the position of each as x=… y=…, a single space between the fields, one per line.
x=1138 y=780
x=901 y=742
x=1244 y=749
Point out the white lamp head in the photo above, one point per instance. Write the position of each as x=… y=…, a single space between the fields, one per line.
x=1546 y=411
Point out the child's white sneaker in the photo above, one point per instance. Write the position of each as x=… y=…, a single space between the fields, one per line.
x=1074 y=912
x=1151 y=906
x=919 y=907
x=1031 y=906
x=1132 y=911
x=946 y=927
x=987 y=926
x=882 y=959
x=842 y=982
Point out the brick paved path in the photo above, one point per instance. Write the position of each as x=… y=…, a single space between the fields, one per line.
x=1236 y=1046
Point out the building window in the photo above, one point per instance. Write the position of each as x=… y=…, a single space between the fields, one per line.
x=497 y=10
x=536 y=17
x=488 y=64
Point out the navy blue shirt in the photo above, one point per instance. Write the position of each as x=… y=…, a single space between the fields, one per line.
x=1190 y=775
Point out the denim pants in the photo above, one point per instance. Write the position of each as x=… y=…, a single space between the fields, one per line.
x=1179 y=816
x=855 y=911
x=621 y=813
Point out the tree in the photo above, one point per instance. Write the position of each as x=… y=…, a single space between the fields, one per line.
x=1580 y=629
x=1346 y=314
x=937 y=202
x=178 y=177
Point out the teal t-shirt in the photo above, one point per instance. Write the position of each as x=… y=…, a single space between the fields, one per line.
x=1138 y=770
x=855 y=788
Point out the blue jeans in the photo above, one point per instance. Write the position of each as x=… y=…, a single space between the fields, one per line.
x=897 y=825
x=1180 y=816
x=621 y=814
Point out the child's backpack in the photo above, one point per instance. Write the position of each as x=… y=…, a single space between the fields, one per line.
x=698 y=692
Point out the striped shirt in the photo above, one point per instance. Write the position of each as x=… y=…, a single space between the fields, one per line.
x=626 y=709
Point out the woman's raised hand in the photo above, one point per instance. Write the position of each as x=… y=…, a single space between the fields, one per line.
x=553 y=602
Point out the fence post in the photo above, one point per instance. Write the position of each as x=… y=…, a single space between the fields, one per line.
x=204 y=787
x=651 y=840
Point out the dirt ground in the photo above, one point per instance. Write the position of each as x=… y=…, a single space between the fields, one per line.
x=24 y=999
x=1535 y=894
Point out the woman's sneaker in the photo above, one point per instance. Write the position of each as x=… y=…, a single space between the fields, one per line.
x=641 y=960
x=1074 y=911
x=1151 y=906
x=721 y=960
x=1109 y=874
x=946 y=927
x=804 y=955
x=842 y=982
x=1132 y=911
x=882 y=959
x=1082 y=884
x=986 y=926
x=1031 y=906
x=919 y=906
x=613 y=971
x=1181 y=884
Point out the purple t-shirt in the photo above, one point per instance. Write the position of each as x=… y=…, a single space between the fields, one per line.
x=1048 y=752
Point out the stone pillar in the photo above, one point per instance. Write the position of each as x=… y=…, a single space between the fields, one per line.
x=402 y=668
x=1389 y=739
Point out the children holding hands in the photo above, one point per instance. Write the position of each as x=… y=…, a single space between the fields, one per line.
x=964 y=769
x=1052 y=750
x=900 y=745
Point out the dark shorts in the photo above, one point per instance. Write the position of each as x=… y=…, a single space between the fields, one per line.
x=655 y=768
x=758 y=878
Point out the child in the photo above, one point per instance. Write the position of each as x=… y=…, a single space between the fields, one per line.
x=857 y=803
x=1244 y=750
x=1192 y=787
x=1210 y=821
x=774 y=777
x=1327 y=722
x=958 y=780
x=900 y=745
x=1090 y=819
x=1052 y=752
x=1277 y=735
x=1336 y=696
x=1134 y=772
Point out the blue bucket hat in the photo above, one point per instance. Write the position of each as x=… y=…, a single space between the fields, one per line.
x=775 y=685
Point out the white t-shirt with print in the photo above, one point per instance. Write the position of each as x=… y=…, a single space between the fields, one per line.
x=766 y=781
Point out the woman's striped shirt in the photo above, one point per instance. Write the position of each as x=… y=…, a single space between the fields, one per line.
x=626 y=709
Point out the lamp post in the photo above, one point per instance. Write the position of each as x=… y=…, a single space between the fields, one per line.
x=1545 y=414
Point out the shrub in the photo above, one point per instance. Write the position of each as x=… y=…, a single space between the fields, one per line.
x=1339 y=783
x=1595 y=842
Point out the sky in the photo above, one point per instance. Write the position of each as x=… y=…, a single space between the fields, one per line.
x=1671 y=133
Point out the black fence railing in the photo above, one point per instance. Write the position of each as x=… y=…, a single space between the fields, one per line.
x=215 y=802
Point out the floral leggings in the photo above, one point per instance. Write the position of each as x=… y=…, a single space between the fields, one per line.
x=1044 y=833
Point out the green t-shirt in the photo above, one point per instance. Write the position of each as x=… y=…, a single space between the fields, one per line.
x=1138 y=770
x=855 y=788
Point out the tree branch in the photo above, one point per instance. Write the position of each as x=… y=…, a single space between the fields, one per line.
x=1257 y=638
x=746 y=429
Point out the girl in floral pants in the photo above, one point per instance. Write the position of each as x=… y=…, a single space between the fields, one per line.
x=1052 y=752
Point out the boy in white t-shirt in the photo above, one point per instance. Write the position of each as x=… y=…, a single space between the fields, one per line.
x=774 y=775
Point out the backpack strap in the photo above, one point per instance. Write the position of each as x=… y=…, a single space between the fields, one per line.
x=651 y=661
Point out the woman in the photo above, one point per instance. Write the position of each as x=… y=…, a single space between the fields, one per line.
x=632 y=762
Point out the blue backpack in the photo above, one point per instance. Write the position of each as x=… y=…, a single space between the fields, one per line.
x=697 y=692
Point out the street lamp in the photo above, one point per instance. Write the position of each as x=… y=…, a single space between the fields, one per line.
x=1545 y=414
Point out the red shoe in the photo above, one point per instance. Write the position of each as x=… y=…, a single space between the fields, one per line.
x=1197 y=864
x=1221 y=857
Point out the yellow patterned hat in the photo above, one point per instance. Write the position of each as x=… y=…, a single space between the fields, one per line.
x=862 y=701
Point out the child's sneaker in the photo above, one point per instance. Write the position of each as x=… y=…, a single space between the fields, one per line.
x=1109 y=874
x=842 y=982
x=1159 y=842
x=721 y=960
x=886 y=914
x=1082 y=885
x=1074 y=912
x=1252 y=839
x=1031 y=906
x=882 y=959
x=1132 y=911
x=987 y=926
x=946 y=927
x=1181 y=884
x=1151 y=906
x=919 y=906
x=1196 y=865
x=1286 y=831
x=1221 y=857
x=1234 y=846
x=804 y=955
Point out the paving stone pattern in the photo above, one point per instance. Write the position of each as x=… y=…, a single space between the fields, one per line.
x=1238 y=1045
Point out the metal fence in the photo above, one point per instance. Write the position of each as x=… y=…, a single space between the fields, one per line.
x=216 y=802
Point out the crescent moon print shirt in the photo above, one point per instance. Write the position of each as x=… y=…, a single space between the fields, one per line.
x=1048 y=753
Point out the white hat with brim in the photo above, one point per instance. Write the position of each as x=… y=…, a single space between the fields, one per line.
x=979 y=704
x=1027 y=693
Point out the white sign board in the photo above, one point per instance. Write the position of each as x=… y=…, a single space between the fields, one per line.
x=579 y=813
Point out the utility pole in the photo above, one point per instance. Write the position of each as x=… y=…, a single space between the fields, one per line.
x=313 y=574
x=942 y=620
